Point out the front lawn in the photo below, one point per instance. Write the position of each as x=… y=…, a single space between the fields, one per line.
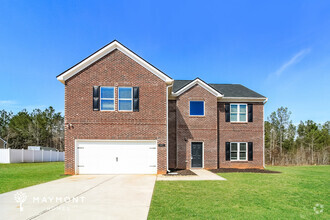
x=291 y=194
x=20 y=175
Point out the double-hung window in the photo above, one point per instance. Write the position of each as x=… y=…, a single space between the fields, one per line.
x=107 y=95
x=125 y=99
x=238 y=112
x=238 y=151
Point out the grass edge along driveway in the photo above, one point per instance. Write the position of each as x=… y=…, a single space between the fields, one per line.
x=292 y=194
x=19 y=175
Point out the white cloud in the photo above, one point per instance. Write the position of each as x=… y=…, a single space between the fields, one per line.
x=11 y=105
x=295 y=59
x=7 y=102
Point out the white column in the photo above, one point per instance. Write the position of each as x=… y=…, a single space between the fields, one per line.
x=22 y=155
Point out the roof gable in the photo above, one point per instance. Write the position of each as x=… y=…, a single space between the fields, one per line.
x=106 y=50
x=187 y=84
x=230 y=92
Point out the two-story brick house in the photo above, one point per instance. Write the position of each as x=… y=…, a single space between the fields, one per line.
x=123 y=116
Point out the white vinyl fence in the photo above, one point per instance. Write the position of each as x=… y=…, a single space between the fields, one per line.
x=29 y=156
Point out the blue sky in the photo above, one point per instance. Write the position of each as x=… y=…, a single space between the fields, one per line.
x=280 y=49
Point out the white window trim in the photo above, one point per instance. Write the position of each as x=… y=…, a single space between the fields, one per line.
x=238 y=112
x=131 y=99
x=114 y=101
x=239 y=150
x=203 y=107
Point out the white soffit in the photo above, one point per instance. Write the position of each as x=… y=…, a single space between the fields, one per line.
x=106 y=50
x=243 y=99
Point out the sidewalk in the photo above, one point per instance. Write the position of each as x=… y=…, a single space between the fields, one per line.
x=202 y=174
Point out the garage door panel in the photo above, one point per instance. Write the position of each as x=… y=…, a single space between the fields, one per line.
x=117 y=157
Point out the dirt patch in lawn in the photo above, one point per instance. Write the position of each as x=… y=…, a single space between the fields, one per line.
x=234 y=170
x=181 y=173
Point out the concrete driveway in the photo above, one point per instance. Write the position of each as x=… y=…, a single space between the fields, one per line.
x=82 y=197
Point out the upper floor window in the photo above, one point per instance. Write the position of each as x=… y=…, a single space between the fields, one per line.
x=238 y=151
x=197 y=108
x=107 y=98
x=125 y=99
x=238 y=112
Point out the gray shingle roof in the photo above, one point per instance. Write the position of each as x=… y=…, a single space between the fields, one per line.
x=228 y=90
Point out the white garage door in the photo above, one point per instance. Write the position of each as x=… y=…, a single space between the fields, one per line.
x=116 y=157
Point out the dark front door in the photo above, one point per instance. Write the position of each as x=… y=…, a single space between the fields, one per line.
x=196 y=154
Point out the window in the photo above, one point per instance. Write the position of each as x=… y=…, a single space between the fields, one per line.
x=107 y=98
x=125 y=99
x=238 y=112
x=196 y=108
x=238 y=151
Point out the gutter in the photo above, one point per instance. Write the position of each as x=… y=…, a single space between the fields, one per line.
x=167 y=88
x=263 y=133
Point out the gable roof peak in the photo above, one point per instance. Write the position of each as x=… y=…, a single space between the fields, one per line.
x=115 y=44
x=199 y=82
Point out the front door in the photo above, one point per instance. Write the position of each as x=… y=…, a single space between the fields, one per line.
x=197 y=154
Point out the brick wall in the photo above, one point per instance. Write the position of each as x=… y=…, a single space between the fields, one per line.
x=115 y=69
x=242 y=132
x=172 y=133
x=196 y=128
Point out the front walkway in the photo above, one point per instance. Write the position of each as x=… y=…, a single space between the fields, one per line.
x=202 y=174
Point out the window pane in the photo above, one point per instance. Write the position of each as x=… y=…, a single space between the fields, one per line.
x=107 y=105
x=233 y=147
x=233 y=109
x=233 y=117
x=125 y=105
x=196 y=107
x=125 y=93
x=107 y=92
x=242 y=155
x=242 y=109
x=242 y=117
x=242 y=147
x=233 y=155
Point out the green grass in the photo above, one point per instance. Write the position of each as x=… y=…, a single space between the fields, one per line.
x=289 y=195
x=19 y=175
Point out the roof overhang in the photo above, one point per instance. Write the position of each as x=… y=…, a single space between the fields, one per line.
x=106 y=50
x=200 y=83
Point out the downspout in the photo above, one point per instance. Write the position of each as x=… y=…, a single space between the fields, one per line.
x=167 y=164
x=263 y=132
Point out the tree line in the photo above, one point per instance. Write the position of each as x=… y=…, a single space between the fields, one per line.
x=285 y=143
x=288 y=144
x=38 y=128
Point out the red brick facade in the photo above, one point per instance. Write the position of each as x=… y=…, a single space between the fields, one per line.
x=242 y=132
x=115 y=69
x=213 y=131
x=196 y=128
x=172 y=153
x=149 y=123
